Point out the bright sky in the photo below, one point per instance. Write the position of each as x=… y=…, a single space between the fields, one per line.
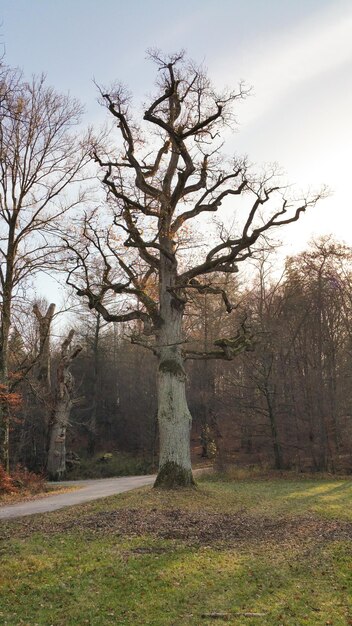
x=297 y=54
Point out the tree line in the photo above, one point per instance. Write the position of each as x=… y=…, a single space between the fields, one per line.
x=284 y=403
x=144 y=258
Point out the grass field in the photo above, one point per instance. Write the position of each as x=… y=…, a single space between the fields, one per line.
x=249 y=551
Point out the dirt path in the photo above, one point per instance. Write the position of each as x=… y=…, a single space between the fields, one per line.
x=88 y=490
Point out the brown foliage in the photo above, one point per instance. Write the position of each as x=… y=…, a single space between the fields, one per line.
x=12 y=400
x=6 y=483
x=20 y=480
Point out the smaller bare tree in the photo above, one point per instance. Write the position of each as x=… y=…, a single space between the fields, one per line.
x=41 y=159
x=63 y=400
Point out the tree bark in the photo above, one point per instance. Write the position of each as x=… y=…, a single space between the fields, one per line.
x=56 y=465
x=174 y=418
x=42 y=373
x=92 y=426
x=4 y=408
x=4 y=353
x=44 y=326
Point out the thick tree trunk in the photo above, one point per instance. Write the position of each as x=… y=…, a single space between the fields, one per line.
x=43 y=395
x=56 y=464
x=174 y=426
x=174 y=418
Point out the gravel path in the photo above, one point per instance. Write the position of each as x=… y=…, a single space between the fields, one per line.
x=88 y=490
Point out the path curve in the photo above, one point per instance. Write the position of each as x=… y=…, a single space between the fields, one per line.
x=88 y=490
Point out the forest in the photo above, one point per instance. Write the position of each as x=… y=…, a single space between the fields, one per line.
x=283 y=404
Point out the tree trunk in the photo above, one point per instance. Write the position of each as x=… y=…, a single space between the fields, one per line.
x=174 y=418
x=275 y=437
x=56 y=465
x=4 y=382
x=43 y=396
x=43 y=363
x=92 y=426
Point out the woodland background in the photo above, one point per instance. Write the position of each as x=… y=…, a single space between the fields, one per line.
x=285 y=404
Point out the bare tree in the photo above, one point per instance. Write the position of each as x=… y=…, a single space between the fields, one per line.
x=316 y=278
x=40 y=159
x=44 y=330
x=56 y=465
x=157 y=185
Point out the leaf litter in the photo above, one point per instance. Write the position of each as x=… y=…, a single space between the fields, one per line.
x=199 y=527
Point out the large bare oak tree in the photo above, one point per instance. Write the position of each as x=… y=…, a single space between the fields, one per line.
x=161 y=179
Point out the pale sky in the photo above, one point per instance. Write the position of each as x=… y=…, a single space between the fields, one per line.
x=297 y=54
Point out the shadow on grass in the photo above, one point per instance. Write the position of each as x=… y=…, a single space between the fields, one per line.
x=55 y=572
x=162 y=583
x=327 y=497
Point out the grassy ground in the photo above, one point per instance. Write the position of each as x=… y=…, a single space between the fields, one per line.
x=256 y=552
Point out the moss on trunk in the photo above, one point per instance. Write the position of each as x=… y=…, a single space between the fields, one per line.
x=173 y=476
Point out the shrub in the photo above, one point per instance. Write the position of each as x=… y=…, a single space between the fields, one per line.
x=109 y=465
x=7 y=484
x=23 y=479
x=106 y=457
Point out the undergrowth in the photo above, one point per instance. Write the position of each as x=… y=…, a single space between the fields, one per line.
x=109 y=465
x=20 y=479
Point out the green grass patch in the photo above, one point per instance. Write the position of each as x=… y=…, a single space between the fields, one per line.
x=278 y=548
x=288 y=495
